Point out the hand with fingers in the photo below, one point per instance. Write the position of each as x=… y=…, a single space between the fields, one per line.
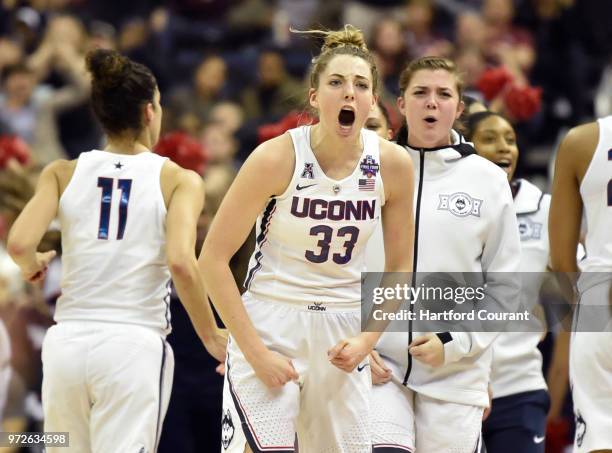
x=274 y=369
x=38 y=270
x=349 y=353
x=428 y=349
x=216 y=344
x=380 y=372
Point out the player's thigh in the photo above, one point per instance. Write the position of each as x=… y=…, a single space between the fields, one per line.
x=253 y=415
x=131 y=383
x=65 y=395
x=392 y=418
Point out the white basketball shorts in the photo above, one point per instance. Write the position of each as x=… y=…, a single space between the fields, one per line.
x=108 y=385
x=328 y=409
x=591 y=373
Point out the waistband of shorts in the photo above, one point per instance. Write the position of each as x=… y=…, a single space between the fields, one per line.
x=311 y=306
x=77 y=325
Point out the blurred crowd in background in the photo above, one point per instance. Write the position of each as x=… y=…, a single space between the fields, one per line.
x=232 y=74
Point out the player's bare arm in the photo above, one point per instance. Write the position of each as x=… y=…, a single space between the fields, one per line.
x=184 y=196
x=573 y=158
x=33 y=222
x=266 y=173
x=398 y=230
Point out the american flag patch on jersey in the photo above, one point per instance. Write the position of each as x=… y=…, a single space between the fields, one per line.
x=367 y=184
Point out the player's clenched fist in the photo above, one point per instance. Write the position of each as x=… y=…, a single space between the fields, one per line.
x=349 y=353
x=274 y=369
x=428 y=349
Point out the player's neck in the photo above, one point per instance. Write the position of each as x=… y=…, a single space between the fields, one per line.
x=331 y=147
x=125 y=145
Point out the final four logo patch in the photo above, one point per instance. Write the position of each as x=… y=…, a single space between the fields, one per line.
x=308 y=171
x=460 y=204
x=369 y=167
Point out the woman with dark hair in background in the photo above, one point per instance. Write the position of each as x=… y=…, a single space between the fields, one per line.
x=517 y=421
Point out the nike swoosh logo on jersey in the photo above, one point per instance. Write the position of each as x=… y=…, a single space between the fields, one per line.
x=298 y=187
x=361 y=367
x=538 y=439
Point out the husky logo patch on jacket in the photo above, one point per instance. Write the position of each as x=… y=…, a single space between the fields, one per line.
x=460 y=204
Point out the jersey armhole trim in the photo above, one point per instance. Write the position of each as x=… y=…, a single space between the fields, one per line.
x=68 y=187
x=289 y=190
x=159 y=186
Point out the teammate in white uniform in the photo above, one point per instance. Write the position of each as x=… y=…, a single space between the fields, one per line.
x=317 y=194
x=127 y=216
x=517 y=421
x=582 y=181
x=5 y=367
x=465 y=223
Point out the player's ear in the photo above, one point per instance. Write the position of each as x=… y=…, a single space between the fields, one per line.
x=312 y=98
x=149 y=113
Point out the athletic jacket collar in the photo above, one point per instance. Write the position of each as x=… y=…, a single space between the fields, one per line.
x=438 y=160
x=528 y=198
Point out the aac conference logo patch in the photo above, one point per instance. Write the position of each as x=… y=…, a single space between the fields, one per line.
x=460 y=204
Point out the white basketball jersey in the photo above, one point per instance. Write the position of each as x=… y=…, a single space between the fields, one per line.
x=310 y=240
x=112 y=216
x=596 y=192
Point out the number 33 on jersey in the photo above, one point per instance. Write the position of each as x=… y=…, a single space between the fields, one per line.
x=313 y=236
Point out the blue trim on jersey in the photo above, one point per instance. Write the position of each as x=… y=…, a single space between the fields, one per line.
x=161 y=386
x=264 y=226
x=166 y=300
x=126 y=186
x=106 y=184
x=246 y=427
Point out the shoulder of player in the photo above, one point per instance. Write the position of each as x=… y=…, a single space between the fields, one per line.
x=576 y=151
x=393 y=158
x=59 y=170
x=275 y=153
x=581 y=139
x=269 y=168
x=174 y=175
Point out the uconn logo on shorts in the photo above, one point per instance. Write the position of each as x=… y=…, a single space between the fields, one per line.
x=460 y=204
x=317 y=306
x=227 y=429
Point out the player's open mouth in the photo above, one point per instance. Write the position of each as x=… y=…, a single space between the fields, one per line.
x=504 y=164
x=430 y=119
x=346 y=117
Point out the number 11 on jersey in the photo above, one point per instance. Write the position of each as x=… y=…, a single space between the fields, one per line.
x=106 y=184
x=610 y=182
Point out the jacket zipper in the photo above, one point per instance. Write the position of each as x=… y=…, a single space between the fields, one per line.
x=416 y=254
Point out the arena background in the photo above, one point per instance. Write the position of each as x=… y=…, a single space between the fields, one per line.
x=231 y=75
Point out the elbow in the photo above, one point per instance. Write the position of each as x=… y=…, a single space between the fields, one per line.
x=182 y=268
x=17 y=247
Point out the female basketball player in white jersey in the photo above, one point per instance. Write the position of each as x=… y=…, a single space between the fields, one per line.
x=517 y=421
x=127 y=217
x=317 y=193
x=583 y=182
x=465 y=222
